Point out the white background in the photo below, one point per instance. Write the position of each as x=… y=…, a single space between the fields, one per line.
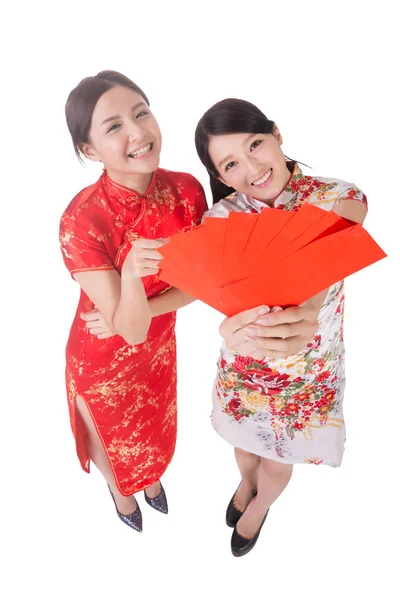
x=327 y=73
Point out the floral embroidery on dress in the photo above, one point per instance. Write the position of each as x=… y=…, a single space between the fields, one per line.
x=129 y=390
x=289 y=409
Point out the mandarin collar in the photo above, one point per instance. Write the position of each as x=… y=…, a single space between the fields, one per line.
x=292 y=187
x=125 y=195
x=290 y=194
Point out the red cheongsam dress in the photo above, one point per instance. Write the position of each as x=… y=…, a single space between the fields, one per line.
x=130 y=391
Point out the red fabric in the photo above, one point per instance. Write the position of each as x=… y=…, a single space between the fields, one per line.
x=130 y=391
x=277 y=258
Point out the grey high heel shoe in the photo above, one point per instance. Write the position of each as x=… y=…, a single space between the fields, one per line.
x=159 y=502
x=134 y=520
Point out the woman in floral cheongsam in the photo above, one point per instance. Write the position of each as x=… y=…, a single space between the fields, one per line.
x=122 y=390
x=275 y=404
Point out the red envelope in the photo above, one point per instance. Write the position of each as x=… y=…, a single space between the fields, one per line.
x=276 y=257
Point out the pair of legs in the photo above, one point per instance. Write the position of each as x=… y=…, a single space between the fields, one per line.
x=266 y=477
x=126 y=504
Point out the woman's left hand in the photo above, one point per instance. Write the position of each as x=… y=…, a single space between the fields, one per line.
x=277 y=334
x=97 y=325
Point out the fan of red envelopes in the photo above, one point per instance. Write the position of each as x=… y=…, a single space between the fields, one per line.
x=275 y=257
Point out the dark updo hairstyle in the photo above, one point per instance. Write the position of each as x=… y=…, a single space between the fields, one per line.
x=83 y=99
x=228 y=116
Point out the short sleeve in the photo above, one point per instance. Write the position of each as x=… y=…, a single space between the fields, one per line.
x=352 y=192
x=81 y=247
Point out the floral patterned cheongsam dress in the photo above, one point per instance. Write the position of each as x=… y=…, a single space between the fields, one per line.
x=289 y=410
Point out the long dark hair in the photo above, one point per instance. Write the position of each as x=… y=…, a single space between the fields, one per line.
x=83 y=99
x=227 y=116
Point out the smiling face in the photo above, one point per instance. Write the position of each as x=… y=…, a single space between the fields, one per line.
x=252 y=164
x=125 y=137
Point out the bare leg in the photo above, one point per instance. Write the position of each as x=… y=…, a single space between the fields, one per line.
x=153 y=490
x=273 y=477
x=248 y=466
x=126 y=504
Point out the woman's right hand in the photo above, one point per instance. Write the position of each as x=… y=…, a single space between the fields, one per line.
x=97 y=325
x=143 y=258
x=274 y=333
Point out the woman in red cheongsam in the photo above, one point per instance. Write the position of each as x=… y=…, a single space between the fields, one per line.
x=122 y=389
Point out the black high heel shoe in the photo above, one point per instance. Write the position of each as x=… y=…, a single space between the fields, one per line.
x=159 y=502
x=232 y=513
x=240 y=545
x=134 y=520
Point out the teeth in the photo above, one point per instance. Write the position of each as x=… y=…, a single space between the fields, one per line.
x=263 y=178
x=140 y=152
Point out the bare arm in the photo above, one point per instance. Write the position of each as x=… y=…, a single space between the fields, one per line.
x=114 y=297
x=280 y=333
x=169 y=301
x=354 y=210
x=121 y=299
x=164 y=303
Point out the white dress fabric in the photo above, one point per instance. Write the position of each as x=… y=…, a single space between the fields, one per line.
x=288 y=410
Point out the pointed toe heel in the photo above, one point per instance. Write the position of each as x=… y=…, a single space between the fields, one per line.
x=134 y=520
x=159 y=502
